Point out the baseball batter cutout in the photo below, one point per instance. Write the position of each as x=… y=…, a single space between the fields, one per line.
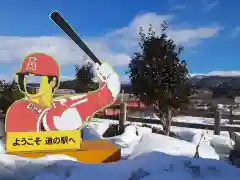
x=41 y=112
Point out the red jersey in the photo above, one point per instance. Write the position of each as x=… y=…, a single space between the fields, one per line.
x=67 y=113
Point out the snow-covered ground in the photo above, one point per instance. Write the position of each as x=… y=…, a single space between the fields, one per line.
x=145 y=156
x=220 y=145
x=148 y=166
x=202 y=120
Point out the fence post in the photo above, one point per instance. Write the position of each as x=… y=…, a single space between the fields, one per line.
x=231 y=134
x=123 y=116
x=122 y=95
x=105 y=111
x=217 y=120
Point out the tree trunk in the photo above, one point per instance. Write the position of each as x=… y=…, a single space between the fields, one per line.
x=167 y=121
x=164 y=126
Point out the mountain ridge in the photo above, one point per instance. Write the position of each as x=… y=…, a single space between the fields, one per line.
x=216 y=83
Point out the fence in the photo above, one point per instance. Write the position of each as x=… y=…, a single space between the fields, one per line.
x=123 y=117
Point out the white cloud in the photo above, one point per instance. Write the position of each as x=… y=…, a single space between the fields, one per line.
x=125 y=40
x=128 y=37
x=218 y=73
x=64 y=50
x=13 y=48
x=191 y=36
x=208 y=6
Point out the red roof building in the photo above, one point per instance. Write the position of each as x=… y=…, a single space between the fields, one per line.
x=130 y=103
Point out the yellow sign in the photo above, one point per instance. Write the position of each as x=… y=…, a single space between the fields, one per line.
x=43 y=141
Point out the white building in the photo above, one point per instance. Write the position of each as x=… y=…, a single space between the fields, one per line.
x=57 y=92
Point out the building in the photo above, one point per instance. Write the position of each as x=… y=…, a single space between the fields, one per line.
x=60 y=92
x=141 y=109
x=35 y=88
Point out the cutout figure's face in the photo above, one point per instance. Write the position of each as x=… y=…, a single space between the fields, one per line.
x=45 y=94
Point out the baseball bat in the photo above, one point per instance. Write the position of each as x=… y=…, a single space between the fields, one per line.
x=59 y=20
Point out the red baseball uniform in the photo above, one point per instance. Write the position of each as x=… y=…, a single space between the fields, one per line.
x=67 y=113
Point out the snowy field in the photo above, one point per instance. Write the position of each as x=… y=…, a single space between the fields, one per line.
x=220 y=144
x=145 y=156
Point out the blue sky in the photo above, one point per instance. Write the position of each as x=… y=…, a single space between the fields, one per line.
x=209 y=30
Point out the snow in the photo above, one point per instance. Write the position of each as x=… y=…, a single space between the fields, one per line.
x=221 y=144
x=201 y=120
x=144 y=154
x=129 y=139
x=216 y=146
x=89 y=133
x=187 y=134
x=237 y=137
x=151 y=165
x=161 y=143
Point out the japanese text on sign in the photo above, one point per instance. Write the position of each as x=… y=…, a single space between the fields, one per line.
x=48 y=141
x=40 y=141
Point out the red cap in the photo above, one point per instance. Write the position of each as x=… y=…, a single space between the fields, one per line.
x=40 y=64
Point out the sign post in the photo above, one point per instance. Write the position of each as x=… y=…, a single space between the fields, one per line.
x=39 y=144
x=43 y=141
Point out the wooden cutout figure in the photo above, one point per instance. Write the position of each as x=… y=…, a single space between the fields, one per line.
x=42 y=112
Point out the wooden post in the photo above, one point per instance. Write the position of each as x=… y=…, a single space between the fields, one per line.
x=231 y=121
x=2 y=126
x=123 y=116
x=82 y=134
x=217 y=120
x=105 y=111
x=122 y=94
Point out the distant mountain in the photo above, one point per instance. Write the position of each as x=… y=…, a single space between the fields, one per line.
x=220 y=85
x=210 y=82
x=234 y=84
x=196 y=79
x=216 y=82
x=71 y=84
x=33 y=85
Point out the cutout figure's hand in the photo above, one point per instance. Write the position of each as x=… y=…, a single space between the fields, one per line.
x=108 y=76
